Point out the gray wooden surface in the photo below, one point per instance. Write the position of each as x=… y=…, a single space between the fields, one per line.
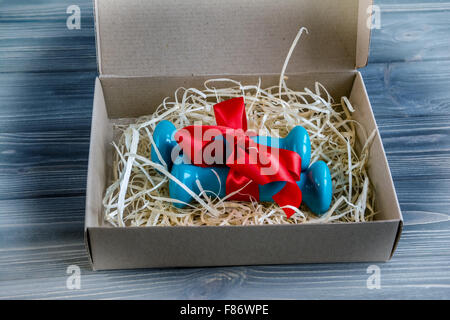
x=46 y=85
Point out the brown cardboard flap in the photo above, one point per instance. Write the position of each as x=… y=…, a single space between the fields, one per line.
x=127 y=97
x=201 y=37
x=99 y=158
x=378 y=168
x=363 y=35
x=138 y=247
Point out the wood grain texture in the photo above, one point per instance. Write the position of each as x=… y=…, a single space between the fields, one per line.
x=46 y=85
x=43 y=164
x=55 y=101
x=34 y=37
x=416 y=30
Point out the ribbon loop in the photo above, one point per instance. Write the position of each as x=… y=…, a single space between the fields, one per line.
x=231 y=113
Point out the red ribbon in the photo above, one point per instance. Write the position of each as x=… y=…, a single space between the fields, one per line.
x=251 y=164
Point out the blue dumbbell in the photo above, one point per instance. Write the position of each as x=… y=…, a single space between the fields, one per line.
x=297 y=140
x=315 y=181
x=164 y=139
x=315 y=184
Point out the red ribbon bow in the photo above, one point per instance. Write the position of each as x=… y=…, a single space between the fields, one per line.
x=251 y=164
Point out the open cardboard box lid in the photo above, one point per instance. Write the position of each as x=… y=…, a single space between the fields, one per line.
x=202 y=37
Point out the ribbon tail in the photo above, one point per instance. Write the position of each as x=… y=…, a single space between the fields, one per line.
x=248 y=188
x=290 y=195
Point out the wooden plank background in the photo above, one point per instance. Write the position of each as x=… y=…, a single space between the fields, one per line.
x=47 y=77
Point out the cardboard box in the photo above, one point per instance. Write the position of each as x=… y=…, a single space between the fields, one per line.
x=147 y=49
